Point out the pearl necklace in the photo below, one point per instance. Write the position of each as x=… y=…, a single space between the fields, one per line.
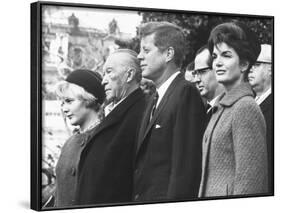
x=93 y=125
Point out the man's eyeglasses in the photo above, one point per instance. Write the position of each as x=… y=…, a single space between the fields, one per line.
x=200 y=72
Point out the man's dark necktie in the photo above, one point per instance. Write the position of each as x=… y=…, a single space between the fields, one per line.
x=209 y=112
x=155 y=99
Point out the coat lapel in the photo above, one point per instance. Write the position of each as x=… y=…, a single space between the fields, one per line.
x=266 y=104
x=117 y=113
x=206 y=144
x=114 y=117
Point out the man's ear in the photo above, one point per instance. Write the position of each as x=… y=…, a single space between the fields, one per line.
x=131 y=74
x=170 y=54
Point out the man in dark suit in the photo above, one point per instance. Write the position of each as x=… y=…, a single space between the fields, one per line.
x=260 y=80
x=106 y=165
x=168 y=155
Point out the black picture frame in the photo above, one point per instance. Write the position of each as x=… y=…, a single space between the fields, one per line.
x=37 y=71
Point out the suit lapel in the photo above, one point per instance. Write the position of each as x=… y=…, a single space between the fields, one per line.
x=145 y=121
x=146 y=127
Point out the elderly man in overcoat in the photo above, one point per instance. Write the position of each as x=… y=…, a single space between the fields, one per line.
x=260 y=78
x=106 y=166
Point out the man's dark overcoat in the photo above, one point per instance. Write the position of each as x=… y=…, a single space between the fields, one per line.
x=267 y=111
x=106 y=165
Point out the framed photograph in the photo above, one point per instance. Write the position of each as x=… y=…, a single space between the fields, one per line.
x=146 y=105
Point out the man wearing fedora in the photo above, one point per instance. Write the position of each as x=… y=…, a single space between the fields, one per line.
x=260 y=78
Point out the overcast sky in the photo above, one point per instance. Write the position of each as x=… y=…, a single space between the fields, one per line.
x=96 y=18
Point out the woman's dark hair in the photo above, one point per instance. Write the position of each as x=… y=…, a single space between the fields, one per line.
x=238 y=36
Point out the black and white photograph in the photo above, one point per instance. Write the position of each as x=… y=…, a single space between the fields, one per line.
x=136 y=105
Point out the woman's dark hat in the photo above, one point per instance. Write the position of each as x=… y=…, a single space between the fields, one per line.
x=90 y=81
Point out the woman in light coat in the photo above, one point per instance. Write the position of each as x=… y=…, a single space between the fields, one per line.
x=234 y=158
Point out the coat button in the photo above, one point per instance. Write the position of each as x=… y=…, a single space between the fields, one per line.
x=137 y=196
x=73 y=171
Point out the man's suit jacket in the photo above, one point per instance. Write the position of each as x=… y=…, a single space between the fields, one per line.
x=106 y=165
x=168 y=155
x=267 y=111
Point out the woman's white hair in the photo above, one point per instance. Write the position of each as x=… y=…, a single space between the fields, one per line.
x=66 y=89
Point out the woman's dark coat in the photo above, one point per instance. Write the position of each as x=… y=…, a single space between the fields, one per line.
x=66 y=169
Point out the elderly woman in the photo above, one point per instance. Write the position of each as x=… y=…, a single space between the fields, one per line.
x=234 y=148
x=81 y=96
